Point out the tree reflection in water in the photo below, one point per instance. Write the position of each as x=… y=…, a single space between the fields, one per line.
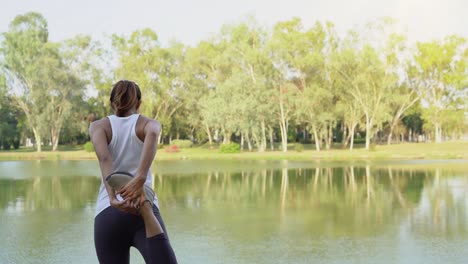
x=55 y=192
x=332 y=201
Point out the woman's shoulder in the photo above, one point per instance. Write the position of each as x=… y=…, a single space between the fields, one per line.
x=101 y=122
x=101 y=125
x=145 y=121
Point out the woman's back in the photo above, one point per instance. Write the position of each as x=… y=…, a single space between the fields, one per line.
x=125 y=147
x=125 y=137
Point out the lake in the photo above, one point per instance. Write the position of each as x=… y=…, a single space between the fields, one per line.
x=251 y=211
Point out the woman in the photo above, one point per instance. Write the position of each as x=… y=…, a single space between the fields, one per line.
x=125 y=217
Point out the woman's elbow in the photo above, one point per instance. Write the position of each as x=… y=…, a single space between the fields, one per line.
x=104 y=158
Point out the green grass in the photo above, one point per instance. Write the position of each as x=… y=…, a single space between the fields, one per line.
x=446 y=150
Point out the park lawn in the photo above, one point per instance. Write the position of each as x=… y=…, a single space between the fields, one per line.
x=446 y=150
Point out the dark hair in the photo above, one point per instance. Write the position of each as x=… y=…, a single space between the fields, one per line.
x=125 y=94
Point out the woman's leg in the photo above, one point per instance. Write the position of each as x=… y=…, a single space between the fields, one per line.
x=112 y=236
x=151 y=240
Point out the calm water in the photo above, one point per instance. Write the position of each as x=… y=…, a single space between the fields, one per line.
x=251 y=212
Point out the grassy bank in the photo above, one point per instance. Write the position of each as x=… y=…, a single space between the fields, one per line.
x=446 y=150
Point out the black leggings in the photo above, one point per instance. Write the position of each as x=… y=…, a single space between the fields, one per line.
x=115 y=232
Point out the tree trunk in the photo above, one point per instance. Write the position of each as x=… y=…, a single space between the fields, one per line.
x=55 y=139
x=390 y=134
x=368 y=131
x=242 y=142
x=270 y=130
x=351 y=137
x=160 y=136
x=249 y=143
x=284 y=133
x=438 y=132
x=284 y=137
x=367 y=138
x=55 y=130
x=317 y=140
x=259 y=144
x=344 y=140
x=392 y=126
x=207 y=130
x=264 y=140
x=226 y=138
x=37 y=137
x=329 y=136
x=216 y=136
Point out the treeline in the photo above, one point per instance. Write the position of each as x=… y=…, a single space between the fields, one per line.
x=248 y=84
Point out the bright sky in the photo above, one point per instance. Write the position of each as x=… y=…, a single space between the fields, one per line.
x=190 y=21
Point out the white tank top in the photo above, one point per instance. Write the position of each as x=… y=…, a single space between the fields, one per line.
x=125 y=148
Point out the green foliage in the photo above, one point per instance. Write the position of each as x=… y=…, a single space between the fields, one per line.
x=229 y=148
x=88 y=146
x=182 y=143
x=292 y=135
x=48 y=87
x=298 y=147
x=441 y=62
x=247 y=82
x=10 y=121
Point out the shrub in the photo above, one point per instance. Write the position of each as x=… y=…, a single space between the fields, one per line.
x=88 y=146
x=298 y=147
x=172 y=149
x=182 y=143
x=230 y=148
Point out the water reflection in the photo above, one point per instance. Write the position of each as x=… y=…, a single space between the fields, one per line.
x=56 y=192
x=360 y=200
x=370 y=213
x=331 y=201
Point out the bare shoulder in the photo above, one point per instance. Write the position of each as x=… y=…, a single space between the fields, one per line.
x=150 y=124
x=102 y=123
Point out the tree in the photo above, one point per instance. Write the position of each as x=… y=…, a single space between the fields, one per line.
x=41 y=83
x=440 y=72
x=198 y=76
x=156 y=70
x=294 y=55
x=369 y=67
x=9 y=119
x=22 y=49
x=247 y=55
x=65 y=94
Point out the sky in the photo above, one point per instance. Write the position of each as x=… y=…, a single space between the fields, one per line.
x=191 y=21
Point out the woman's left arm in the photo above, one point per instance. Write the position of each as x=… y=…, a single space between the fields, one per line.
x=99 y=139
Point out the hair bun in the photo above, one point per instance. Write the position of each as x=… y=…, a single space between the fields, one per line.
x=124 y=96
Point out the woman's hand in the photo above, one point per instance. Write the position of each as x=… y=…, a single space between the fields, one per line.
x=133 y=189
x=124 y=206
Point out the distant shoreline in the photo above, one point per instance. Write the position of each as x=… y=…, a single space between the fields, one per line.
x=446 y=150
